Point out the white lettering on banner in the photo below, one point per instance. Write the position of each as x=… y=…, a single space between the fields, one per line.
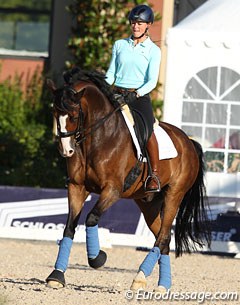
x=37 y=225
x=223 y=236
x=42 y=225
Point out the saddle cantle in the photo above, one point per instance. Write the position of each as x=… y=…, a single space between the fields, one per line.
x=166 y=147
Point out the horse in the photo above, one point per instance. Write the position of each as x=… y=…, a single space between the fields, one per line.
x=101 y=158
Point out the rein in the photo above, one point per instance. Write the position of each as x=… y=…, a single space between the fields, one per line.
x=81 y=133
x=93 y=127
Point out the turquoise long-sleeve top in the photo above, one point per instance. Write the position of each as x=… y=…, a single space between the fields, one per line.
x=136 y=66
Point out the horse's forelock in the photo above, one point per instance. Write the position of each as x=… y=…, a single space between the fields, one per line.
x=65 y=100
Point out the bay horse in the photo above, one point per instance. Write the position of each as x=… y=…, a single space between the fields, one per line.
x=102 y=159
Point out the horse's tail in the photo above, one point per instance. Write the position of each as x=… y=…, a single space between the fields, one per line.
x=192 y=225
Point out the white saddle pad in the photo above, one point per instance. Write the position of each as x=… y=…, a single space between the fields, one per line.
x=166 y=147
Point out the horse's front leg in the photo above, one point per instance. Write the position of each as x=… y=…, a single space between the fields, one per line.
x=97 y=257
x=76 y=197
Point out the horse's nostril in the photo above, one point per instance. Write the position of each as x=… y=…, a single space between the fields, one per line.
x=71 y=151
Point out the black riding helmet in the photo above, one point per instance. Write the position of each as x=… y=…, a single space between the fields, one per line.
x=141 y=13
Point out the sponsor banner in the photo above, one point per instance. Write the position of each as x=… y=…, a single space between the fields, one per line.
x=47 y=209
x=41 y=214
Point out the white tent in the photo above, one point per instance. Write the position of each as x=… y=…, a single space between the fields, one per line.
x=202 y=89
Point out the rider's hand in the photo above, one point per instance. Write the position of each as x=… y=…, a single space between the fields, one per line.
x=131 y=97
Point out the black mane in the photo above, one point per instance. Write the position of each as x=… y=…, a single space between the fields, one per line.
x=98 y=78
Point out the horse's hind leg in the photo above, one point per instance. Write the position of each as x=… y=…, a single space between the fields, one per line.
x=76 y=197
x=161 y=228
x=173 y=200
x=151 y=211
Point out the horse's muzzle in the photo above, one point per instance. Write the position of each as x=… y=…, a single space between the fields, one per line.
x=66 y=147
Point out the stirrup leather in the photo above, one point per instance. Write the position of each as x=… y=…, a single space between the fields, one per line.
x=152 y=190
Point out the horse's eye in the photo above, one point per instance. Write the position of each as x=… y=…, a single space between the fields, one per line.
x=72 y=119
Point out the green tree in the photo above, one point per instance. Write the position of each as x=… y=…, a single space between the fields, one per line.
x=28 y=155
x=97 y=24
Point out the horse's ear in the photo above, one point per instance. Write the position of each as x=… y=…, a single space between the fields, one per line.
x=51 y=85
x=79 y=94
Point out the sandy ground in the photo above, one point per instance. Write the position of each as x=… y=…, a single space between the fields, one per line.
x=24 y=265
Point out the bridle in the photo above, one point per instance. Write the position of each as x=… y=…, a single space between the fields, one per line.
x=80 y=133
x=79 y=118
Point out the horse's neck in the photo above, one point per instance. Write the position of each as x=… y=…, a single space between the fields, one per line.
x=111 y=138
x=100 y=112
x=98 y=104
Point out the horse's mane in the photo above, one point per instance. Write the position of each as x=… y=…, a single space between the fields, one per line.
x=96 y=77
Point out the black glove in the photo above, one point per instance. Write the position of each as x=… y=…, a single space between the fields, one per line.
x=131 y=97
x=119 y=98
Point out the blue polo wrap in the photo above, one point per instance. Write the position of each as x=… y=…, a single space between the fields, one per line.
x=63 y=254
x=92 y=241
x=150 y=261
x=165 y=271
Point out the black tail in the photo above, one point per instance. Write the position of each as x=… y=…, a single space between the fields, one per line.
x=192 y=228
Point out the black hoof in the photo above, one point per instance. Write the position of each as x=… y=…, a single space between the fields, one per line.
x=57 y=276
x=98 y=261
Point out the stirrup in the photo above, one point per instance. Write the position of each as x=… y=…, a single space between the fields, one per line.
x=152 y=190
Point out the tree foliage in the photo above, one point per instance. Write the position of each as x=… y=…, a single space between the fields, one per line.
x=28 y=155
x=97 y=24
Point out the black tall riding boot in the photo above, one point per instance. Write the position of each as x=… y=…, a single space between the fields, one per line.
x=152 y=183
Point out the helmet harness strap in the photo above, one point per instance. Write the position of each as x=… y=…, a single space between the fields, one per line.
x=134 y=38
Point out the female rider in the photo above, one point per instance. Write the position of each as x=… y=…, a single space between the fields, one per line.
x=134 y=68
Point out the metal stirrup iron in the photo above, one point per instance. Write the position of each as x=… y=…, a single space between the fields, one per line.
x=153 y=190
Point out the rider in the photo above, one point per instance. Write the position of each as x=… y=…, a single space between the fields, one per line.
x=134 y=68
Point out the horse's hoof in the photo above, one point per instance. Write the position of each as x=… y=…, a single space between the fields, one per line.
x=98 y=261
x=56 y=279
x=139 y=282
x=136 y=285
x=54 y=284
x=160 y=289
